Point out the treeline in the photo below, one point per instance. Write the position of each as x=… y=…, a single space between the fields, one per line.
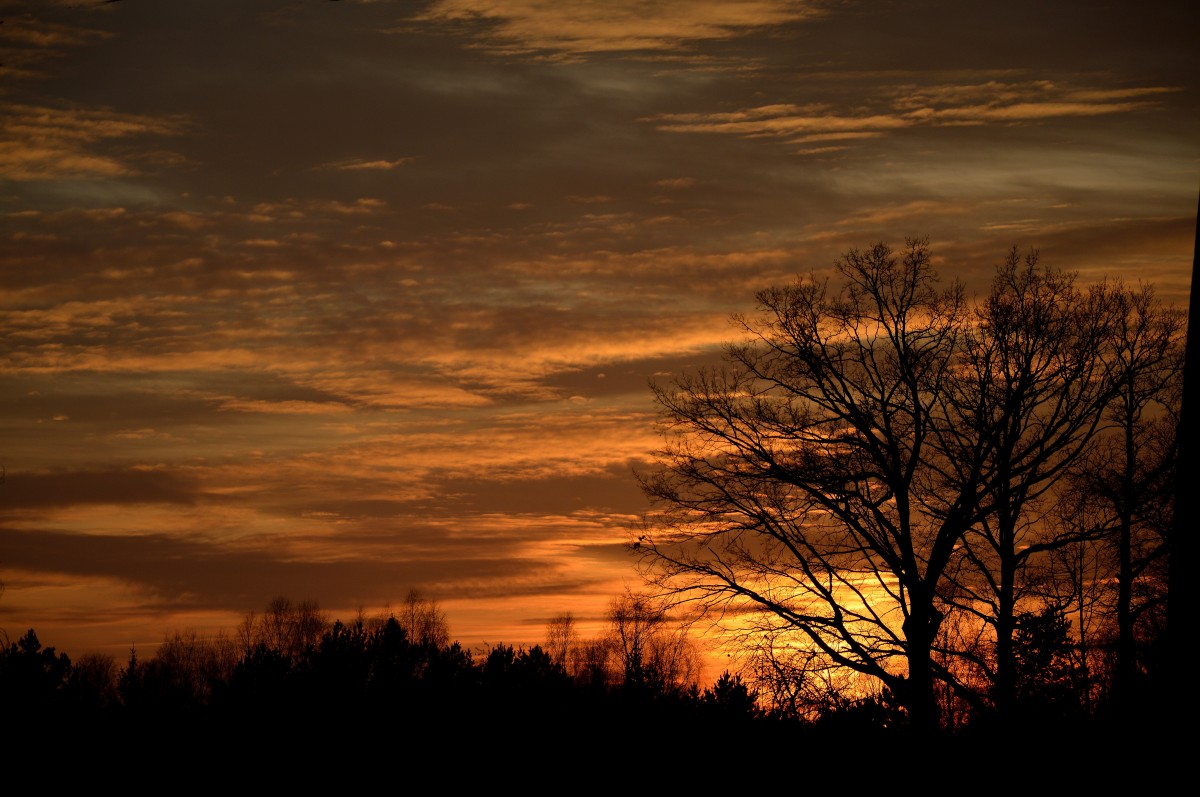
x=290 y=692
x=290 y=667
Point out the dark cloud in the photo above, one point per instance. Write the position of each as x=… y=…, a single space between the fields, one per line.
x=24 y=491
x=181 y=574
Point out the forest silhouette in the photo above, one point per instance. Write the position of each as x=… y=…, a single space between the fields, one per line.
x=969 y=504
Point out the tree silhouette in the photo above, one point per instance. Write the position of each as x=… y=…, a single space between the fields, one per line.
x=1128 y=480
x=562 y=639
x=804 y=483
x=866 y=484
x=1041 y=363
x=33 y=679
x=653 y=654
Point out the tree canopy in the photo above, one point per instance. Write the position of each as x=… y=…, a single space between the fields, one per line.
x=866 y=481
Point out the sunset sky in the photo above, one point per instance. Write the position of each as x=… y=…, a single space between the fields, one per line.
x=335 y=300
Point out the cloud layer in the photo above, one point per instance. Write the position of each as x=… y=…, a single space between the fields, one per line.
x=337 y=300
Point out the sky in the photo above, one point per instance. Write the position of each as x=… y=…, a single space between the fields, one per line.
x=338 y=299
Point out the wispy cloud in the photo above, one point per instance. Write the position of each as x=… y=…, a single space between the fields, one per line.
x=46 y=143
x=26 y=42
x=572 y=30
x=975 y=104
x=378 y=165
x=286 y=407
x=301 y=209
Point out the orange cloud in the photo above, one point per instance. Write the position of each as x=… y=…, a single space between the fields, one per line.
x=934 y=105
x=28 y=41
x=367 y=165
x=572 y=30
x=676 y=182
x=42 y=143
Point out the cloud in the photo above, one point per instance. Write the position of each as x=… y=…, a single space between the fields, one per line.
x=518 y=446
x=289 y=407
x=388 y=389
x=360 y=335
x=776 y=121
x=196 y=573
x=580 y=29
x=63 y=488
x=26 y=42
x=997 y=95
x=938 y=105
x=23 y=29
x=46 y=143
x=300 y=209
x=58 y=359
x=594 y=199
x=676 y=182
x=367 y=165
x=916 y=209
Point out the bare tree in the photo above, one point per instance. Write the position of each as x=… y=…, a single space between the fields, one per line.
x=593 y=664
x=1076 y=580
x=285 y=627
x=424 y=620
x=875 y=478
x=1128 y=481
x=188 y=665
x=806 y=484
x=797 y=682
x=652 y=651
x=1036 y=375
x=92 y=681
x=247 y=632
x=562 y=639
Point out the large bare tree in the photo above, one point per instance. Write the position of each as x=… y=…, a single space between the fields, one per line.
x=804 y=485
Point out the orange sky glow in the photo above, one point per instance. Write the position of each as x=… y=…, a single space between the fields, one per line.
x=335 y=300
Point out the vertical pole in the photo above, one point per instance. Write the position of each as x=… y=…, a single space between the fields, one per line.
x=1182 y=544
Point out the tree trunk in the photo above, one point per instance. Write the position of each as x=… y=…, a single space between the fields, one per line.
x=920 y=700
